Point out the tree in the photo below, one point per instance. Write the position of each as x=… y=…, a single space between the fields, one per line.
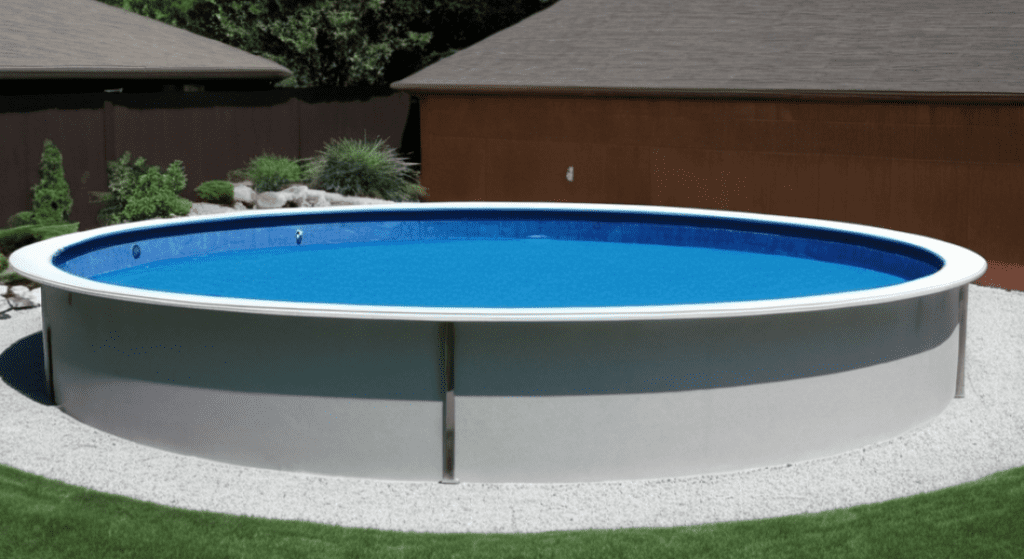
x=171 y=12
x=51 y=196
x=342 y=43
x=325 y=42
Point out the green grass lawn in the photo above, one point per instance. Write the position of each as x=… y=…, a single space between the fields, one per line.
x=44 y=518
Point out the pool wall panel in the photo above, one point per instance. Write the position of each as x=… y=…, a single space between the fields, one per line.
x=651 y=408
x=344 y=397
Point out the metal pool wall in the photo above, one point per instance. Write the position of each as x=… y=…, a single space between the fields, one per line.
x=345 y=397
x=534 y=402
x=592 y=401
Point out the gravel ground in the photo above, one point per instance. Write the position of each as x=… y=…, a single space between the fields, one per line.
x=974 y=437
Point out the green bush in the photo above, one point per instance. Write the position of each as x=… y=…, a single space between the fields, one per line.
x=137 y=193
x=11 y=277
x=216 y=192
x=51 y=204
x=8 y=276
x=238 y=175
x=51 y=196
x=273 y=172
x=323 y=42
x=16 y=237
x=360 y=168
x=342 y=43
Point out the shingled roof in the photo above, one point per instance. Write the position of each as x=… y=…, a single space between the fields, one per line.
x=50 y=39
x=884 y=48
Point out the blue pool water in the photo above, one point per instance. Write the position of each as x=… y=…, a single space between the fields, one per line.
x=498 y=273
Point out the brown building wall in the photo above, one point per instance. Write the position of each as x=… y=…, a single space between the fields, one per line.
x=953 y=172
x=210 y=132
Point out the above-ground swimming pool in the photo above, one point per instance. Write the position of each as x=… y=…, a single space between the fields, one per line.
x=502 y=342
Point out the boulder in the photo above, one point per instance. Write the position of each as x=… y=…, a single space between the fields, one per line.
x=295 y=196
x=271 y=200
x=340 y=200
x=295 y=193
x=21 y=297
x=335 y=199
x=315 y=199
x=206 y=208
x=245 y=194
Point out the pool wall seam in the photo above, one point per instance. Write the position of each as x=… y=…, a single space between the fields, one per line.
x=446 y=333
x=962 y=355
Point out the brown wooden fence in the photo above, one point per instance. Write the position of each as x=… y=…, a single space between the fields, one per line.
x=210 y=132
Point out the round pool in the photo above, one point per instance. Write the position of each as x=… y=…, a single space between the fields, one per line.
x=502 y=342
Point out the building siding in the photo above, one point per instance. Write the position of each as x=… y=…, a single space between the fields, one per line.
x=951 y=172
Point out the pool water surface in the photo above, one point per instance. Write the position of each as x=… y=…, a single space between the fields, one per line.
x=498 y=273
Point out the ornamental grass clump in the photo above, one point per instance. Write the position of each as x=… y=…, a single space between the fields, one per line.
x=216 y=192
x=273 y=172
x=359 y=168
x=138 y=193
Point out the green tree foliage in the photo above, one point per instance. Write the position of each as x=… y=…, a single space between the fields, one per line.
x=16 y=237
x=326 y=42
x=453 y=26
x=51 y=196
x=171 y=12
x=138 y=193
x=51 y=204
x=342 y=43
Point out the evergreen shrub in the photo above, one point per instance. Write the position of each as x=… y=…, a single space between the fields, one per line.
x=51 y=196
x=216 y=192
x=138 y=193
x=51 y=205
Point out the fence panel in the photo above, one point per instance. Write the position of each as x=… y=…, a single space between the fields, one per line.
x=210 y=132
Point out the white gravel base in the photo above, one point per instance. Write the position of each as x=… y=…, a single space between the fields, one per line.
x=976 y=436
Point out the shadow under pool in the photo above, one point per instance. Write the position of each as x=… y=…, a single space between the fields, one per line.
x=21 y=368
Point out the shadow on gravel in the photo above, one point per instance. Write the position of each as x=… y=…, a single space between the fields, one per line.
x=21 y=367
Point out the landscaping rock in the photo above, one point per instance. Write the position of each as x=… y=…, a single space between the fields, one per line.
x=295 y=196
x=339 y=200
x=21 y=297
x=206 y=208
x=295 y=193
x=315 y=199
x=244 y=194
x=271 y=200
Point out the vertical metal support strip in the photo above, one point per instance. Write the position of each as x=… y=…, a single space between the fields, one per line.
x=48 y=373
x=446 y=334
x=963 y=344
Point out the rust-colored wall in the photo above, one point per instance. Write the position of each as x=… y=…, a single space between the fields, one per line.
x=210 y=132
x=953 y=172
